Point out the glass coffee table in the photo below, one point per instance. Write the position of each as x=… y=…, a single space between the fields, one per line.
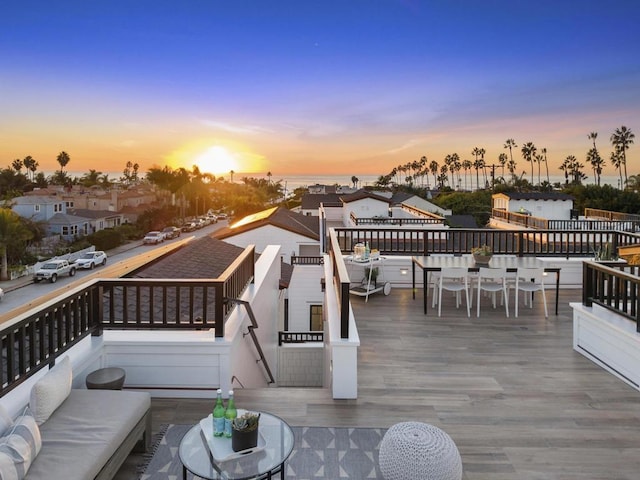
x=196 y=456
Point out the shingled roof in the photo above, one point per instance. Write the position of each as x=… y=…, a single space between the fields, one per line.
x=360 y=194
x=304 y=225
x=205 y=257
x=538 y=196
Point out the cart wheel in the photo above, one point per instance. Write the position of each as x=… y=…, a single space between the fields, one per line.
x=387 y=288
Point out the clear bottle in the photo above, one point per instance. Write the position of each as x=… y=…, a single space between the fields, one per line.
x=229 y=415
x=218 y=416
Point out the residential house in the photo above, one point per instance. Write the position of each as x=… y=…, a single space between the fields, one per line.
x=297 y=234
x=99 y=219
x=548 y=205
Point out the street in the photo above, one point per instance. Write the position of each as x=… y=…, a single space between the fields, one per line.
x=121 y=260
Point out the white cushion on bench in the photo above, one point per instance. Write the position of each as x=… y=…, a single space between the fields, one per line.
x=20 y=447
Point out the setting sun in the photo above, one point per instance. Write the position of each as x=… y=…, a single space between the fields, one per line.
x=217 y=160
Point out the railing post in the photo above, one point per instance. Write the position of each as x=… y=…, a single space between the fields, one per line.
x=344 y=310
x=587 y=285
x=96 y=312
x=219 y=308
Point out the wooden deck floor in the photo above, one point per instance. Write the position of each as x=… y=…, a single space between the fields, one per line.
x=513 y=395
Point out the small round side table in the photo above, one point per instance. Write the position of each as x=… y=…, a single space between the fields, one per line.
x=412 y=450
x=111 y=378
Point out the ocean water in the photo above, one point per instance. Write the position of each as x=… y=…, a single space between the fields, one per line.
x=291 y=182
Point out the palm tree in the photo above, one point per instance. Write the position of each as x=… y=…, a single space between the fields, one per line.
x=354 y=180
x=231 y=175
x=12 y=231
x=31 y=165
x=593 y=157
x=466 y=165
x=476 y=164
x=433 y=168
x=269 y=177
x=538 y=158
x=621 y=139
x=483 y=165
x=502 y=161
x=63 y=159
x=17 y=165
x=565 y=168
x=91 y=178
x=544 y=159
x=510 y=143
x=616 y=161
x=528 y=151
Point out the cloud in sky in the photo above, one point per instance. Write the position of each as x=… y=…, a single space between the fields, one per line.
x=326 y=85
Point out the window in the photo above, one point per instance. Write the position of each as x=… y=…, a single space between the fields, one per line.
x=57 y=207
x=36 y=208
x=65 y=231
x=315 y=321
x=69 y=204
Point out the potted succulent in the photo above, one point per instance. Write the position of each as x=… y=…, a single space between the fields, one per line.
x=244 y=431
x=482 y=255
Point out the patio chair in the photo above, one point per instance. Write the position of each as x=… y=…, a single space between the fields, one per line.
x=530 y=280
x=493 y=280
x=454 y=280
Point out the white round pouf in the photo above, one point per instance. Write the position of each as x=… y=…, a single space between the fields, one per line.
x=414 y=450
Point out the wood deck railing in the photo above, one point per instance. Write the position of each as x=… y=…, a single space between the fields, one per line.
x=615 y=287
x=33 y=342
x=559 y=243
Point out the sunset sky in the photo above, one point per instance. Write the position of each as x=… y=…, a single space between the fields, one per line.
x=313 y=86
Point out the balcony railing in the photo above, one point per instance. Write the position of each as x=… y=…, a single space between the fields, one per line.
x=613 y=287
x=458 y=241
x=607 y=221
x=299 y=337
x=33 y=342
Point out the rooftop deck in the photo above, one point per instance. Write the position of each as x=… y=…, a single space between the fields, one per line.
x=514 y=396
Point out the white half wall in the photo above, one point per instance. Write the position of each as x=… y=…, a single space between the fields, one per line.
x=608 y=340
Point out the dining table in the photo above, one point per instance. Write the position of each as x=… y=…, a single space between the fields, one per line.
x=435 y=263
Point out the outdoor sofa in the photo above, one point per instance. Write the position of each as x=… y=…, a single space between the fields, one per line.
x=73 y=434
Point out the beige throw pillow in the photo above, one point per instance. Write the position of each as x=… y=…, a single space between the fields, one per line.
x=51 y=390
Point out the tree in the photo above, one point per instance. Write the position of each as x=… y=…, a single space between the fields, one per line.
x=231 y=175
x=269 y=176
x=616 y=161
x=528 y=151
x=17 y=165
x=510 y=143
x=543 y=151
x=433 y=168
x=31 y=165
x=63 y=159
x=12 y=232
x=476 y=164
x=354 y=180
x=502 y=161
x=91 y=178
x=621 y=140
x=466 y=165
x=593 y=157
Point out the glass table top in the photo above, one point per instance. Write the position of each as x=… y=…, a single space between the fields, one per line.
x=196 y=456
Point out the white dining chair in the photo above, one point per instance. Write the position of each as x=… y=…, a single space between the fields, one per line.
x=454 y=280
x=530 y=280
x=493 y=280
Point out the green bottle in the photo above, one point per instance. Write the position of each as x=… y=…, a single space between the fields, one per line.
x=229 y=415
x=218 y=416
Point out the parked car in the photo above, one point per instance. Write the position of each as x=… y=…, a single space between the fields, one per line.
x=153 y=238
x=92 y=259
x=212 y=217
x=189 y=227
x=222 y=216
x=171 y=232
x=52 y=269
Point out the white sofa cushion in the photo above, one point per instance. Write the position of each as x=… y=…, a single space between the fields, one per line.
x=51 y=390
x=20 y=447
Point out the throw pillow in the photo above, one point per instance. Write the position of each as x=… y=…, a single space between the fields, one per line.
x=6 y=422
x=20 y=447
x=51 y=390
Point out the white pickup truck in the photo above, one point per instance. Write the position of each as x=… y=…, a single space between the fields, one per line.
x=52 y=269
